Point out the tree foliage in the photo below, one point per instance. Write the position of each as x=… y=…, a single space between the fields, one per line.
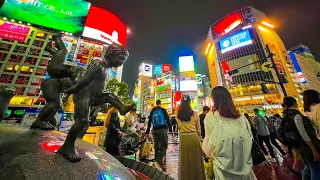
x=120 y=89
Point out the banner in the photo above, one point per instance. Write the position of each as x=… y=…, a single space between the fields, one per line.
x=13 y=32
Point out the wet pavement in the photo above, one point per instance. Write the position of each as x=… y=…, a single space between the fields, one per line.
x=265 y=171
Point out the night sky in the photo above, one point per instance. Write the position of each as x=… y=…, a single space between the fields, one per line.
x=162 y=30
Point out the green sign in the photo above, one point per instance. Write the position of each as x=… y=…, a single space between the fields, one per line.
x=64 y=15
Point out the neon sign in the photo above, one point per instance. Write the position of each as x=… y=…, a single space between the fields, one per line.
x=228 y=23
x=235 y=41
x=13 y=32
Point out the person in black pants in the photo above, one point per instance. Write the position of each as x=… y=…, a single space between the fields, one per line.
x=273 y=135
x=114 y=135
x=263 y=134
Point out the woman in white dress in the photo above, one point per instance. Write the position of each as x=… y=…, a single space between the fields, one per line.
x=228 y=139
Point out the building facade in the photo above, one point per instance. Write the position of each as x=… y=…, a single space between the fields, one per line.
x=239 y=41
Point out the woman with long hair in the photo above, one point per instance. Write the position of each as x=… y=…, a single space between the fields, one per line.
x=228 y=139
x=311 y=99
x=190 y=155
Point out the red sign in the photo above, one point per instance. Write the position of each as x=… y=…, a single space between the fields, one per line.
x=228 y=23
x=104 y=26
x=13 y=32
x=166 y=68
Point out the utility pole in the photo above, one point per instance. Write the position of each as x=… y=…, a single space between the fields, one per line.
x=277 y=71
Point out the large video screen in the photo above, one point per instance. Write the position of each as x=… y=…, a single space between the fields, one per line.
x=62 y=15
x=235 y=41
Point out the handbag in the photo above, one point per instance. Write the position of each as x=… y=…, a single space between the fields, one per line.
x=256 y=153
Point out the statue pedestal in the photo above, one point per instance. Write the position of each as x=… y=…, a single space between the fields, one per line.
x=30 y=154
x=5 y=96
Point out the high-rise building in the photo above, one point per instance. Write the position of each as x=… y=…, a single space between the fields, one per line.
x=142 y=90
x=306 y=70
x=165 y=86
x=239 y=41
x=26 y=27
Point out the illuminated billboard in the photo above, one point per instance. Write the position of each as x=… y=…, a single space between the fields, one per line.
x=188 y=85
x=157 y=69
x=186 y=63
x=145 y=70
x=166 y=68
x=235 y=41
x=57 y=14
x=13 y=32
x=297 y=68
x=228 y=23
x=108 y=29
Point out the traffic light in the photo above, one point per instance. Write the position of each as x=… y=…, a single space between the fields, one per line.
x=264 y=88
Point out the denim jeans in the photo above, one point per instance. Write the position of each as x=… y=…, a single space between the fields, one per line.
x=311 y=168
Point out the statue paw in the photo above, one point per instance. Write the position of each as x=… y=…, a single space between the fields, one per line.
x=40 y=125
x=69 y=153
x=127 y=108
x=50 y=126
x=49 y=45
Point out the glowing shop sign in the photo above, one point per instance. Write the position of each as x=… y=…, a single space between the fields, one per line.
x=228 y=23
x=157 y=69
x=58 y=14
x=235 y=41
x=13 y=32
x=145 y=70
x=186 y=63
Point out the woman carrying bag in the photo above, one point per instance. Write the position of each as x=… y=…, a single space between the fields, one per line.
x=228 y=139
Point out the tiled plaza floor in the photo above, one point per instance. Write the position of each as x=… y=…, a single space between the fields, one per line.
x=265 y=171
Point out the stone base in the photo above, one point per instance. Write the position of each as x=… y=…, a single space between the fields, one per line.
x=30 y=154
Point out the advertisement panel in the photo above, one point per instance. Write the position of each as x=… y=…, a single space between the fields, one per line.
x=13 y=32
x=198 y=78
x=235 y=41
x=297 y=68
x=166 y=68
x=157 y=69
x=145 y=70
x=200 y=92
x=57 y=14
x=186 y=63
x=188 y=85
x=228 y=23
x=108 y=29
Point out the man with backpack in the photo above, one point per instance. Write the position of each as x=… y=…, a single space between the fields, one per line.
x=159 y=118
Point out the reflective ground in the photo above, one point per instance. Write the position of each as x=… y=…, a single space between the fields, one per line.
x=265 y=171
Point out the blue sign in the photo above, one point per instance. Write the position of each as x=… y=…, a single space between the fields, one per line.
x=297 y=67
x=157 y=69
x=235 y=41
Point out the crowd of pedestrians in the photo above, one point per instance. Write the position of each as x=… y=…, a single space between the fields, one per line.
x=225 y=139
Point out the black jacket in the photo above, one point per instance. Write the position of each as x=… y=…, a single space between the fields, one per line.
x=166 y=116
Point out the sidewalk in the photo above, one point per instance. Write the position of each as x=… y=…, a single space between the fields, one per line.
x=265 y=171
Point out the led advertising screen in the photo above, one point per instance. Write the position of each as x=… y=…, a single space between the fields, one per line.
x=186 y=63
x=108 y=29
x=145 y=70
x=157 y=69
x=235 y=41
x=62 y=15
x=188 y=85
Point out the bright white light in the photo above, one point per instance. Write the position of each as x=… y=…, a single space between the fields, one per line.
x=188 y=85
x=247 y=27
x=208 y=47
x=263 y=29
x=128 y=31
x=186 y=63
x=236 y=46
x=4 y=18
x=268 y=24
x=232 y=26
